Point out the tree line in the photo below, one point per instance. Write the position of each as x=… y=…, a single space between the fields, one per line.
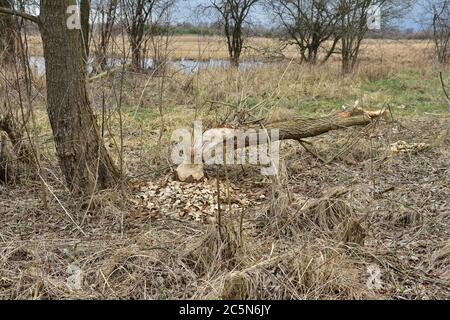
x=317 y=28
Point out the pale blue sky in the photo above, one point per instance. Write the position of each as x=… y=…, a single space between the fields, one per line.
x=186 y=11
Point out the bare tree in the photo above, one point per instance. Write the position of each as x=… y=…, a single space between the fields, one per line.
x=160 y=37
x=104 y=20
x=136 y=14
x=140 y=18
x=233 y=15
x=308 y=24
x=441 y=30
x=352 y=30
x=440 y=24
x=353 y=25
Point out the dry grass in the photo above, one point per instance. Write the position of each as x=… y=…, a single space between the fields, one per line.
x=399 y=52
x=127 y=252
x=187 y=47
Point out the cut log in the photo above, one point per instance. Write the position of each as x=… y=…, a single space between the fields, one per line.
x=301 y=128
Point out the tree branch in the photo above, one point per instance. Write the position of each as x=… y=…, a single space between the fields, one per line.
x=23 y=15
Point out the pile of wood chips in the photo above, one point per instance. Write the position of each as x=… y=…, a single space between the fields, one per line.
x=405 y=147
x=195 y=201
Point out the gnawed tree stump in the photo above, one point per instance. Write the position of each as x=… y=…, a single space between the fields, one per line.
x=8 y=125
x=12 y=147
x=296 y=128
x=190 y=173
x=8 y=159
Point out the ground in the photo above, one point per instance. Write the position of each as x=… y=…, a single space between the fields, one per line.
x=363 y=214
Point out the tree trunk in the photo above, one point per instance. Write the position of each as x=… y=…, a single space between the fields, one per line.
x=136 y=56
x=83 y=157
x=7 y=38
x=108 y=18
x=234 y=62
x=302 y=128
x=85 y=12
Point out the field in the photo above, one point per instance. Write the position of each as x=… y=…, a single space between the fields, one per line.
x=358 y=213
x=198 y=47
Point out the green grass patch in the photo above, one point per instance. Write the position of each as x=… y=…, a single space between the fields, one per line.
x=409 y=93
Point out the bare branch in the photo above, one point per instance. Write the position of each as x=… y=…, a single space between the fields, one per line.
x=23 y=15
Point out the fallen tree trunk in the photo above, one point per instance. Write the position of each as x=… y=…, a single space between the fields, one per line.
x=297 y=128
x=302 y=128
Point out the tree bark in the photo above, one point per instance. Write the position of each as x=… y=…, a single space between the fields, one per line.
x=136 y=56
x=299 y=128
x=83 y=158
x=302 y=128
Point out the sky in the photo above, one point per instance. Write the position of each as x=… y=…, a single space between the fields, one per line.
x=412 y=20
x=187 y=10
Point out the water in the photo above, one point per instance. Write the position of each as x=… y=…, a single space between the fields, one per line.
x=188 y=66
x=194 y=66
